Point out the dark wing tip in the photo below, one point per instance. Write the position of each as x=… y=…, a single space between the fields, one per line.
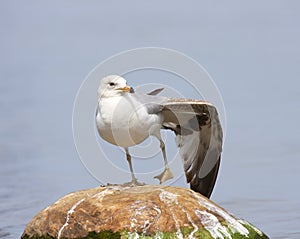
x=155 y=92
x=206 y=185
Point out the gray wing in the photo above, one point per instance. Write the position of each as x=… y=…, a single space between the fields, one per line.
x=152 y=102
x=153 y=92
x=199 y=137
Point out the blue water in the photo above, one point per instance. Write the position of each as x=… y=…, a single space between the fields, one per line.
x=250 y=49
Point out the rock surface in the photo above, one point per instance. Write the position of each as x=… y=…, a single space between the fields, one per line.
x=137 y=212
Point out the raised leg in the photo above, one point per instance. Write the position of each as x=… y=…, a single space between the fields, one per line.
x=166 y=174
x=163 y=150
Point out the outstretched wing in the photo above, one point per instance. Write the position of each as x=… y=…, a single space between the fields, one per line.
x=199 y=137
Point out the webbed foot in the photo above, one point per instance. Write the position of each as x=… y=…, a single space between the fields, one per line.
x=164 y=176
x=134 y=182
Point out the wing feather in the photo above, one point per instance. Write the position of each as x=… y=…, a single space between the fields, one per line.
x=199 y=137
x=156 y=91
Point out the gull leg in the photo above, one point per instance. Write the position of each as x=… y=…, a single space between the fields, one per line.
x=128 y=157
x=166 y=174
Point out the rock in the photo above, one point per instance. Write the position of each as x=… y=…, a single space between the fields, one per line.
x=137 y=212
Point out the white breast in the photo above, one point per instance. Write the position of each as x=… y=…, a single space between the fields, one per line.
x=125 y=122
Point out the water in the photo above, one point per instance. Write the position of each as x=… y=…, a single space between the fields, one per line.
x=250 y=49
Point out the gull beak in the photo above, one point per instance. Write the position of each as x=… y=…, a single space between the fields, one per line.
x=125 y=89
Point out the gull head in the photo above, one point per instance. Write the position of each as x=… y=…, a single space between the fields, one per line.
x=113 y=85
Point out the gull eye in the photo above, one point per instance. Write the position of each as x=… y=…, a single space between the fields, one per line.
x=111 y=84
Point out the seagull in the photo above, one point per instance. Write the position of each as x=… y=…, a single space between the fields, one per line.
x=126 y=118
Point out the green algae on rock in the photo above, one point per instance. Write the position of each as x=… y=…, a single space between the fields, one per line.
x=137 y=212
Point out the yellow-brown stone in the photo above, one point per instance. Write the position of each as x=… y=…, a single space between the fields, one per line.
x=137 y=212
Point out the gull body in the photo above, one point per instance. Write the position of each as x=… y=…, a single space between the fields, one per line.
x=127 y=127
x=124 y=121
x=125 y=118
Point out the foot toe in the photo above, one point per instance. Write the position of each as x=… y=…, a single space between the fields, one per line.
x=164 y=176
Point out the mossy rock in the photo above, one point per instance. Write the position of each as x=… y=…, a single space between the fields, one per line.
x=137 y=212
